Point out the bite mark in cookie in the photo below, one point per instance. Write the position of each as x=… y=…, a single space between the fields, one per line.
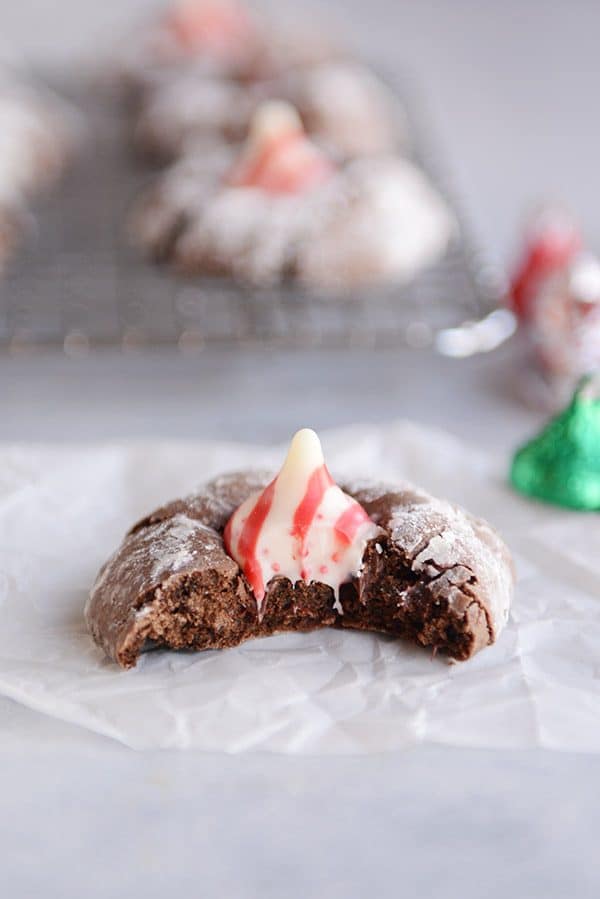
x=426 y=570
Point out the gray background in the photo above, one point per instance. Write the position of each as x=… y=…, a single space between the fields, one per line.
x=510 y=87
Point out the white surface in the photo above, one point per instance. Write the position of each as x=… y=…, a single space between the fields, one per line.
x=328 y=692
x=255 y=825
x=510 y=87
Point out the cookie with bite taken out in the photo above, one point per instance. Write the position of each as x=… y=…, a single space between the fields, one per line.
x=251 y=555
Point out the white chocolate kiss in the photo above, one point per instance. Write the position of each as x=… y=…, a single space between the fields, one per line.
x=302 y=526
x=272 y=119
x=278 y=156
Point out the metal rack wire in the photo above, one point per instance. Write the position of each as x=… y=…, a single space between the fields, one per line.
x=77 y=284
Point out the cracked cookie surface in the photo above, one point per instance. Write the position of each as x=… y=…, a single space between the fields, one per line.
x=437 y=576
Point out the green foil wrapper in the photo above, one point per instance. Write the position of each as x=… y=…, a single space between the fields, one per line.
x=562 y=465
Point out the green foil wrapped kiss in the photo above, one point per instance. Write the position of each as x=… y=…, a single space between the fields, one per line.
x=562 y=464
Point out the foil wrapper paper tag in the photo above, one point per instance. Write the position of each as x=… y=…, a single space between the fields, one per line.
x=64 y=510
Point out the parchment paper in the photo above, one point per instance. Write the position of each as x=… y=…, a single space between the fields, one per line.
x=63 y=511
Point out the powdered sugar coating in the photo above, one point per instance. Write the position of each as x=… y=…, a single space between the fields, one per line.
x=35 y=138
x=152 y=55
x=378 y=218
x=213 y=502
x=464 y=557
x=149 y=556
x=343 y=106
x=463 y=554
x=347 y=108
x=248 y=234
x=460 y=560
x=385 y=221
x=192 y=107
x=175 y=550
x=176 y=197
x=37 y=134
x=119 y=609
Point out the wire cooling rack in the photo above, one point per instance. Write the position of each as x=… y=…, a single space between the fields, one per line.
x=76 y=283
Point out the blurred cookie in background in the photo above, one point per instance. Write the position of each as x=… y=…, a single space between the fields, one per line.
x=221 y=38
x=282 y=209
x=342 y=105
x=38 y=137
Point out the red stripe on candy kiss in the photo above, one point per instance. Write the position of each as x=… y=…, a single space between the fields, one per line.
x=252 y=174
x=248 y=540
x=288 y=163
x=349 y=523
x=318 y=484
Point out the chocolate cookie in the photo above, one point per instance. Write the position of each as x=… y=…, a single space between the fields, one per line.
x=342 y=105
x=13 y=219
x=37 y=135
x=281 y=210
x=432 y=573
x=217 y=38
x=192 y=109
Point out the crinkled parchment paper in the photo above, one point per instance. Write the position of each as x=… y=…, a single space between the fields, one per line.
x=63 y=511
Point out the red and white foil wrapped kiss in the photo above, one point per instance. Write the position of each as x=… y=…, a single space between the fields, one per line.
x=552 y=240
x=556 y=294
x=302 y=526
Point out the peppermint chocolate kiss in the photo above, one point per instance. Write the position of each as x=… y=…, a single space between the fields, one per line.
x=278 y=156
x=302 y=526
x=220 y=27
x=247 y=557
